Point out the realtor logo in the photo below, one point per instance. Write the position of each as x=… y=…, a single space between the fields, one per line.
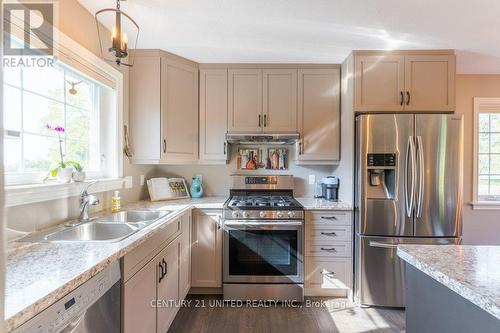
x=32 y=23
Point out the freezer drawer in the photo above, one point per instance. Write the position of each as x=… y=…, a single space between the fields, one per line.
x=379 y=271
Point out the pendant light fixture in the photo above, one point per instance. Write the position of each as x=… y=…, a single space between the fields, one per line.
x=115 y=47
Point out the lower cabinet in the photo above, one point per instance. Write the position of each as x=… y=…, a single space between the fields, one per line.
x=138 y=293
x=328 y=253
x=150 y=294
x=168 y=285
x=207 y=248
x=185 y=257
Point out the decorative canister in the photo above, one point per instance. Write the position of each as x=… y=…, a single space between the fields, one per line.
x=196 y=188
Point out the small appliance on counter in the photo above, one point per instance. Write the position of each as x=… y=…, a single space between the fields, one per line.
x=330 y=188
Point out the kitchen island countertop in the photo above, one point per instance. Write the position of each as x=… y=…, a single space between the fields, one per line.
x=473 y=272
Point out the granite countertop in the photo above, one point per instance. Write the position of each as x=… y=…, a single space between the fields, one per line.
x=473 y=272
x=39 y=274
x=322 y=204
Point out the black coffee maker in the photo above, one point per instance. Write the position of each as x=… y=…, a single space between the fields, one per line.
x=330 y=188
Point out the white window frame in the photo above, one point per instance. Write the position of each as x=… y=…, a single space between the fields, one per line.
x=31 y=178
x=113 y=179
x=482 y=105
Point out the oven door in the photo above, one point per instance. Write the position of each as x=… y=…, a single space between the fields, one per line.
x=263 y=252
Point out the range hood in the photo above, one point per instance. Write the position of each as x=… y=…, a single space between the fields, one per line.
x=262 y=138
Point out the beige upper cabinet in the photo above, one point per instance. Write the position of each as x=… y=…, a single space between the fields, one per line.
x=319 y=115
x=145 y=110
x=404 y=81
x=280 y=100
x=206 y=251
x=213 y=115
x=430 y=83
x=379 y=83
x=245 y=100
x=163 y=109
x=179 y=111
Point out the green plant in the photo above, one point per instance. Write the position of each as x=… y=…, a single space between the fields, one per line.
x=75 y=165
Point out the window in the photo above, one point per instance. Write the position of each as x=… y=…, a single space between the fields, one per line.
x=35 y=97
x=487 y=150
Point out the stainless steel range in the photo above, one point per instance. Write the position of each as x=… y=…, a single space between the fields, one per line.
x=263 y=240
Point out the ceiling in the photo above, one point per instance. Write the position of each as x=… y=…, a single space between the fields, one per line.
x=316 y=31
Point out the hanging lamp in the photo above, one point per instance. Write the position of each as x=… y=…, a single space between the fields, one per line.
x=115 y=46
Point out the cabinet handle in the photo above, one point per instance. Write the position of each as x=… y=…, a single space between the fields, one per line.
x=161 y=272
x=165 y=266
x=164 y=146
x=218 y=223
x=265 y=120
x=300 y=147
x=260 y=123
x=329 y=217
x=331 y=249
x=329 y=233
x=327 y=273
x=407 y=98
x=402 y=98
x=224 y=148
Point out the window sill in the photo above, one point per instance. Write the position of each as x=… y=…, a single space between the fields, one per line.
x=485 y=205
x=27 y=194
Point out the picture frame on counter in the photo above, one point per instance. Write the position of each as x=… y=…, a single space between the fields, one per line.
x=167 y=189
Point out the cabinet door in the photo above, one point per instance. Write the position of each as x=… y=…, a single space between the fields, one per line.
x=319 y=115
x=206 y=251
x=144 y=114
x=185 y=257
x=430 y=83
x=138 y=292
x=213 y=114
x=245 y=100
x=179 y=112
x=378 y=83
x=328 y=273
x=168 y=287
x=280 y=100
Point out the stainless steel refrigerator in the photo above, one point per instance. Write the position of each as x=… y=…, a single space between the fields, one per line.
x=408 y=191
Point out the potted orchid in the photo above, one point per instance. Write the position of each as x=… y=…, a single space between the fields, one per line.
x=63 y=171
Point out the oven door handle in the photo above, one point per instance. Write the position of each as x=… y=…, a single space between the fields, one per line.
x=257 y=224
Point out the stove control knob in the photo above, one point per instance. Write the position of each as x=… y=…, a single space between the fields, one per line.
x=262 y=214
x=235 y=214
x=280 y=214
x=245 y=214
x=291 y=214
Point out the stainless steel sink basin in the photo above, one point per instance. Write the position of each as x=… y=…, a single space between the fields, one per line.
x=134 y=216
x=111 y=228
x=93 y=232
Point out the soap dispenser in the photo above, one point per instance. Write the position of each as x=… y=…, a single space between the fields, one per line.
x=115 y=202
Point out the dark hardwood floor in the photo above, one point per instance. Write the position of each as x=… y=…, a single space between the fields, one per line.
x=208 y=314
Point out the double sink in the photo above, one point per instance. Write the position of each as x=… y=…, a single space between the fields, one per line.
x=110 y=228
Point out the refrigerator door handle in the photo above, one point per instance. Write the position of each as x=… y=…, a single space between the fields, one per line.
x=421 y=183
x=383 y=245
x=410 y=154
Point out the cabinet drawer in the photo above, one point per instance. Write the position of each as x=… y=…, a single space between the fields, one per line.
x=137 y=258
x=328 y=273
x=328 y=233
x=329 y=218
x=328 y=249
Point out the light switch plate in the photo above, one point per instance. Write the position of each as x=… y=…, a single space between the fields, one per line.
x=312 y=179
x=141 y=181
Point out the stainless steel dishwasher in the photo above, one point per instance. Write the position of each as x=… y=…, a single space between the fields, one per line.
x=93 y=307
